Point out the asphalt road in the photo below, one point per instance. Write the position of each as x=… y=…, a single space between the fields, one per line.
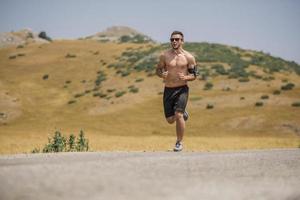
x=264 y=174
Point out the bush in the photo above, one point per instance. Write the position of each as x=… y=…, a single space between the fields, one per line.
x=134 y=90
x=259 y=104
x=71 y=101
x=208 y=86
x=82 y=143
x=70 y=55
x=288 y=86
x=12 y=57
x=21 y=54
x=276 y=92
x=243 y=80
x=58 y=143
x=264 y=97
x=111 y=90
x=139 y=80
x=209 y=106
x=296 y=104
x=79 y=95
x=99 y=94
x=55 y=144
x=43 y=35
x=100 y=78
x=120 y=93
x=71 y=143
x=46 y=76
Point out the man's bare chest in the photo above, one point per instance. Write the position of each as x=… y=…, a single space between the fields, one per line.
x=178 y=61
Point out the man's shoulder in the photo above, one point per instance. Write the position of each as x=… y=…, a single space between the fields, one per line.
x=188 y=54
x=165 y=54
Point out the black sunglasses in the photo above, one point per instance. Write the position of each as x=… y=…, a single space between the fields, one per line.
x=174 y=39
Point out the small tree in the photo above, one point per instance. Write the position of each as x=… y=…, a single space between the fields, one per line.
x=43 y=35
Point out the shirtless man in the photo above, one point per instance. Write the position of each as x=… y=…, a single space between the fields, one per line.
x=176 y=66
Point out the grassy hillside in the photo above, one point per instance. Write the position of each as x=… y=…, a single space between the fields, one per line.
x=109 y=90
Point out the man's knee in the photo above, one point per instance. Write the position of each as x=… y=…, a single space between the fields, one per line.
x=170 y=120
x=178 y=115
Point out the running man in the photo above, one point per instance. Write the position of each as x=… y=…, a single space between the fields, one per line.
x=176 y=66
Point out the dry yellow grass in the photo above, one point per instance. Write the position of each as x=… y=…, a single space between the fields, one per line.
x=35 y=107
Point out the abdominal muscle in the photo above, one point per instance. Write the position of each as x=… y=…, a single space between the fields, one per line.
x=173 y=79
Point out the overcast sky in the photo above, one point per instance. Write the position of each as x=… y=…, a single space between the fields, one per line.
x=272 y=26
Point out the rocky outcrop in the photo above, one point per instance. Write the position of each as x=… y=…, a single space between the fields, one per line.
x=120 y=34
x=21 y=37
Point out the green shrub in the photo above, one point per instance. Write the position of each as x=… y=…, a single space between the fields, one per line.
x=68 y=82
x=125 y=73
x=96 y=89
x=288 y=86
x=12 y=57
x=268 y=78
x=276 y=92
x=120 y=93
x=44 y=35
x=55 y=144
x=139 y=80
x=82 y=143
x=100 y=78
x=71 y=101
x=46 y=76
x=58 y=143
x=111 y=90
x=70 y=55
x=264 y=97
x=219 y=69
x=134 y=90
x=20 y=46
x=99 y=94
x=209 y=106
x=71 y=143
x=208 y=86
x=21 y=54
x=79 y=95
x=259 y=104
x=243 y=80
x=296 y=104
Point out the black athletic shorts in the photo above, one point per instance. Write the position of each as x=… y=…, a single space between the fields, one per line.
x=175 y=99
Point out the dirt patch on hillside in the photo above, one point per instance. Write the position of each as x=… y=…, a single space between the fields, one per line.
x=9 y=107
x=247 y=122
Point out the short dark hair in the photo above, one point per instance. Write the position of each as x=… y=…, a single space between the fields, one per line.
x=177 y=32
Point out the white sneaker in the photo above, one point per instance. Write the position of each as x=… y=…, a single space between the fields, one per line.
x=178 y=146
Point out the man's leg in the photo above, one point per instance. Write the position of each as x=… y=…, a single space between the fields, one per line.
x=171 y=119
x=180 y=125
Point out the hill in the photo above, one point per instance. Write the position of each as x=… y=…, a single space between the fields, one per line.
x=120 y=34
x=22 y=37
x=242 y=99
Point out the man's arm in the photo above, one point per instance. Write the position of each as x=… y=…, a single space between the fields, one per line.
x=160 y=67
x=192 y=69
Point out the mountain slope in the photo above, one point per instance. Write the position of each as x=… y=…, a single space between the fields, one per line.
x=109 y=90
